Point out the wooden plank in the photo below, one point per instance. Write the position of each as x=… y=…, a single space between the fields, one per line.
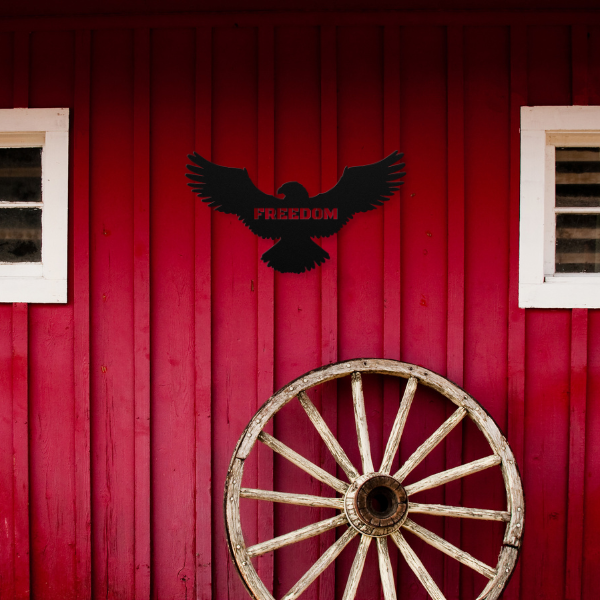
x=577 y=454
x=81 y=313
x=7 y=475
x=234 y=264
x=20 y=374
x=486 y=144
x=20 y=450
x=172 y=274
x=456 y=281
x=329 y=270
x=141 y=307
x=111 y=312
x=203 y=324
x=265 y=284
x=391 y=224
x=516 y=316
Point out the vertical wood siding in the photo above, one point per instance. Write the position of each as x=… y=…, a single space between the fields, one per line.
x=119 y=411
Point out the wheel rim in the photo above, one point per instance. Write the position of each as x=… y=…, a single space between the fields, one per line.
x=375 y=504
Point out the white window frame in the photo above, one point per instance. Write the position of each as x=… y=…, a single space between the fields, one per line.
x=541 y=129
x=44 y=281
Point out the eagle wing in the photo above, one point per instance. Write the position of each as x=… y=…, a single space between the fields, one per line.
x=231 y=191
x=359 y=189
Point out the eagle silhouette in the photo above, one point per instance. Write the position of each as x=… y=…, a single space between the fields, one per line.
x=296 y=218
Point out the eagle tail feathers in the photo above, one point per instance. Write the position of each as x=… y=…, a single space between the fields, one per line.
x=294 y=256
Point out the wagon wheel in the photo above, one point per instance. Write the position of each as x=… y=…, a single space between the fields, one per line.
x=375 y=504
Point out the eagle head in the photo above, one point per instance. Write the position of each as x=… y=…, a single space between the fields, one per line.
x=293 y=191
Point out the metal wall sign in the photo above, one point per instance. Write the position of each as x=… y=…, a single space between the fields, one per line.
x=297 y=217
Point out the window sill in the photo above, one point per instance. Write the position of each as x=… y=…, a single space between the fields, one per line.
x=561 y=292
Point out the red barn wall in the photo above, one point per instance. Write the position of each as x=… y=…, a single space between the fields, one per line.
x=119 y=411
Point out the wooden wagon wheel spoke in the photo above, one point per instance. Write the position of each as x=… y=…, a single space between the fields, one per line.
x=360 y=415
x=385 y=570
x=374 y=504
x=334 y=446
x=322 y=563
x=357 y=568
x=447 y=548
x=297 y=499
x=303 y=463
x=442 y=510
x=417 y=567
x=452 y=474
x=430 y=443
x=297 y=536
x=398 y=427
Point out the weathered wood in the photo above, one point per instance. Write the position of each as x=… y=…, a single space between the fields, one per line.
x=357 y=568
x=296 y=536
x=362 y=430
x=324 y=561
x=452 y=474
x=430 y=443
x=385 y=569
x=417 y=567
x=302 y=462
x=466 y=404
x=506 y=562
x=297 y=499
x=330 y=441
x=450 y=549
x=398 y=427
x=458 y=511
x=235 y=537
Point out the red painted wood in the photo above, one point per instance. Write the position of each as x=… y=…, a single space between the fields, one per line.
x=456 y=283
x=53 y=492
x=20 y=419
x=172 y=275
x=424 y=258
x=591 y=492
x=361 y=251
x=203 y=327
x=547 y=363
x=141 y=308
x=577 y=429
x=516 y=316
x=112 y=314
x=7 y=475
x=234 y=302
x=265 y=286
x=81 y=313
x=329 y=272
x=487 y=147
x=392 y=280
x=298 y=332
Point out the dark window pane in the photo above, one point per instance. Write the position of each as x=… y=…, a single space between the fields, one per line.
x=578 y=177
x=577 y=243
x=20 y=174
x=20 y=235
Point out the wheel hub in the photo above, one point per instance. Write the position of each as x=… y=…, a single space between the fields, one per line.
x=376 y=504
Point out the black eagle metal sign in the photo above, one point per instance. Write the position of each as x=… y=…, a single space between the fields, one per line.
x=297 y=217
